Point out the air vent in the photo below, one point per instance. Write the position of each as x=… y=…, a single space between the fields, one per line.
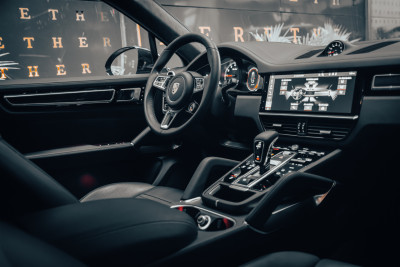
x=328 y=131
x=331 y=129
x=372 y=47
x=310 y=54
x=286 y=128
x=386 y=82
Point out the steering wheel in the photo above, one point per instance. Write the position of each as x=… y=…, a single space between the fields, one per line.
x=178 y=89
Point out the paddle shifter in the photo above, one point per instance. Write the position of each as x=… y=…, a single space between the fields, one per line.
x=262 y=149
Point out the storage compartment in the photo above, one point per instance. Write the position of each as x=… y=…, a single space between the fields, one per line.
x=226 y=193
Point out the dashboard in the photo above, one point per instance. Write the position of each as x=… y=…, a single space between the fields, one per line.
x=326 y=94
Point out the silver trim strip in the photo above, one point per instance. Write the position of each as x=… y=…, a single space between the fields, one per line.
x=191 y=200
x=384 y=87
x=311 y=115
x=284 y=208
x=8 y=97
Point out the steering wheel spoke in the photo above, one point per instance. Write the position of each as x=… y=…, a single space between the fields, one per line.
x=198 y=85
x=169 y=117
x=161 y=82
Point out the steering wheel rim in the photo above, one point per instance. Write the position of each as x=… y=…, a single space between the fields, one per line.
x=184 y=88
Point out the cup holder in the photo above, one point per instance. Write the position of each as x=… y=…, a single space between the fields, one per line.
x=206 y=220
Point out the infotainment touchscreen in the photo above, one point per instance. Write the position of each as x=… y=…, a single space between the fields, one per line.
x=328 y=92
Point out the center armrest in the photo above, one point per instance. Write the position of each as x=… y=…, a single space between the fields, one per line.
x=102 y=232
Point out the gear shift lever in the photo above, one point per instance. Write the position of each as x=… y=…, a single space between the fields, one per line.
x=263 y=143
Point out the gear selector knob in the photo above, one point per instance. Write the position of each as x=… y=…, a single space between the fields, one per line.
x=263 y=143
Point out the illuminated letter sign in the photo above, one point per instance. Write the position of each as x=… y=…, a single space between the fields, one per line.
x=80 y=16
x=3 y=75
x=106 y=42
x=33 y=73
x=29 y=41
x=57 y=42
x=61 y=70
x=238 y=34
x=24 y=13
x=295 y=31
x=83 y=42
x=1 y=45
x=203 y=28
x=53 y=13
x=85 y=68
x=103 y=17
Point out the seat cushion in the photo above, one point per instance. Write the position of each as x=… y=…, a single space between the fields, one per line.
x=114 y=231
x=294 y=259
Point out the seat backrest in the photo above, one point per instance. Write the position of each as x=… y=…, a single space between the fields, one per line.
x=26 y=187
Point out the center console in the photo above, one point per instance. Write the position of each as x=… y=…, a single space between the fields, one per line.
x=322 y=106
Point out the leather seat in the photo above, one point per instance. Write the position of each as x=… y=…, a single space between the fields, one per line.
x=18 y=248
x=161 y=194
x=294 y=259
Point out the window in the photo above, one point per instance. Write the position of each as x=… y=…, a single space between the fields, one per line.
x=311 y=22
x=62 y=38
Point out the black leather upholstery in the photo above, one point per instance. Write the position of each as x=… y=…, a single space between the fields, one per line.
x=117 y=190
x=114 y=231
x=20 y=249
x=161 y=194
x=294 y=259
x=23 y=176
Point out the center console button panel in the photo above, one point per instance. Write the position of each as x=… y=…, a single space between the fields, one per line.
x=243 y=185
x=285 y=159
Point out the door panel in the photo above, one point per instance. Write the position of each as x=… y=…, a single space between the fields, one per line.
x=56 y=94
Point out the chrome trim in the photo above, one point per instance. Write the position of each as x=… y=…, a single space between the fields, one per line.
x=204 y=227
x=284 y=208
x=384 y=87
x=240 y=188
x=318 y=199
x=191 y=200
x=7 y=97
x=311 y=115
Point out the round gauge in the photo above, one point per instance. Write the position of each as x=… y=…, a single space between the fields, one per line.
x=253 y=79
x=335 y=48
x=230 y=73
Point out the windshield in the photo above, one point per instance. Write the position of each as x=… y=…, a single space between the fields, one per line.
x=308 y=22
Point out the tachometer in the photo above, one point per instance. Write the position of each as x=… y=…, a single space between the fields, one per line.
x=335 y=48
x=230 y=73
x=253 y=79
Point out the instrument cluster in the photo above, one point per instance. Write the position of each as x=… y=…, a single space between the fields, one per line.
x=239 y=74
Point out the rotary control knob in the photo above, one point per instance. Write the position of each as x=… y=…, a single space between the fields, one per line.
x=294 y=147
x=203 y=221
